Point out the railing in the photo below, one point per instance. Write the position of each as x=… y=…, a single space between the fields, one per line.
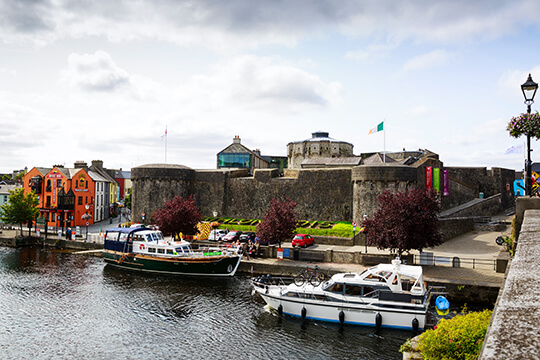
x=457 y=262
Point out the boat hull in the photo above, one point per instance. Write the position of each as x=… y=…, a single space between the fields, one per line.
x=364 y=314
x=197 y=266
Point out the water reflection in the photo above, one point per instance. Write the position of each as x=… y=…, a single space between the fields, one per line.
x=60 y=305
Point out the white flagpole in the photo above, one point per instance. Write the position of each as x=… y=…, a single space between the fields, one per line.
x=384 y=141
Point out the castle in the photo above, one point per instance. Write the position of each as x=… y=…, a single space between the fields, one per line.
x=324 y=189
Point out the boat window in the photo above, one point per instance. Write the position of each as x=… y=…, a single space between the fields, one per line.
x=186 y=249
x=349 y=275
x=148 y=237
x=178 y=250
x=353 y=289
x=320 y=297
x=369 y=291
x=154 y=236
x=337 y=288
x=170 y=251
x=152 y=250
x=123 y=236
x=291 y=294
x=161 y=251
x=111 y=236
x=159 y=236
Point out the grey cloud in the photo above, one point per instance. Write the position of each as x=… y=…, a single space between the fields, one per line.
x=26 y=16
x=249 y=23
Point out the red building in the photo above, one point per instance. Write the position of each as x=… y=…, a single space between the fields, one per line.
x=65 y=195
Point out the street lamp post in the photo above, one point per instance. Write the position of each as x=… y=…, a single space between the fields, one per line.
x=528 y=88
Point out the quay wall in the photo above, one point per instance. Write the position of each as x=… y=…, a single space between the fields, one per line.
x=513 y=332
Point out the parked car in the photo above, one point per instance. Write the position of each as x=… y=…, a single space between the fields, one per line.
x=302 y=240
x=217 y=234
x=232 y=236
x=245 y=237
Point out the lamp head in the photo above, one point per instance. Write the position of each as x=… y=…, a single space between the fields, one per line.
x=529 y=88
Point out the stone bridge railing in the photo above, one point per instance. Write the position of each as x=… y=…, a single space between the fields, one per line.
x=514 y=330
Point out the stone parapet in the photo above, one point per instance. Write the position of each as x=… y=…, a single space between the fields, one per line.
x=384 y=173
x=513 y=332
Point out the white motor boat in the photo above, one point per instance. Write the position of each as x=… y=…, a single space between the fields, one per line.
x=384 y=296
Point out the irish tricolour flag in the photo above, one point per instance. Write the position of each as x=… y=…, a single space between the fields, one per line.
x=379 y=127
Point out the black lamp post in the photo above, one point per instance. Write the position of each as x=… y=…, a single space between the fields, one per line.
x=528 y=88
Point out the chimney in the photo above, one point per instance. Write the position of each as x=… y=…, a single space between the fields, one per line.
x=97 y=163
x=80 y=164
x=236 y=139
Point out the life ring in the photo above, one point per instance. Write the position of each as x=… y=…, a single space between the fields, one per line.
x=141 y=247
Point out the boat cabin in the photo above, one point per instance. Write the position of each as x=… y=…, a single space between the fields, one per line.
x=392 y=282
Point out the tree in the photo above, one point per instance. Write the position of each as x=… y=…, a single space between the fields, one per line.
x=127 y=200
x=177 y=216
x=404 y=221
x=279 y=222
x=21 y=208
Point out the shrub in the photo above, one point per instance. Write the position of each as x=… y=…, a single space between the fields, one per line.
x=458 y=338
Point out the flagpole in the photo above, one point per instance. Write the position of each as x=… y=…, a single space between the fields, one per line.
x=384 y=141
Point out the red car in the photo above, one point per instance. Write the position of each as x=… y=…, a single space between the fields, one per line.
x=232 y=236
x=302 y=240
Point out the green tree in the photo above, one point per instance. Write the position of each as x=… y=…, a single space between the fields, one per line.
x=178 y=216
x=20 y=209
x=404 y=221
x=127 y=200
x=279 y=222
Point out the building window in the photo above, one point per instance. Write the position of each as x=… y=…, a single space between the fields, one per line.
x=234 y=160
x=48 y=201
x=79 y=200
x=58 y=182
x=48 y=185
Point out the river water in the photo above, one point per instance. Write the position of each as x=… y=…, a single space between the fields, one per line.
x=56 y=305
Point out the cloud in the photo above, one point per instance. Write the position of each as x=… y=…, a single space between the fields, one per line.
x=429 y=60
x=260 y=82
x=240 y=24
x=371 y=52
x=95 y=72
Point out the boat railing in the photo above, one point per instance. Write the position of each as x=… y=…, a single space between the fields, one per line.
x=265 y=281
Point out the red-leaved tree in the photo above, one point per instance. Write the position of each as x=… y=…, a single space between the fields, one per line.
x=404 y=221
x=279 y=223
x=177 y=216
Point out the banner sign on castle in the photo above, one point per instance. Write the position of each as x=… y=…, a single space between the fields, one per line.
x=445 y=191
x=429 y=178
x=436 y=179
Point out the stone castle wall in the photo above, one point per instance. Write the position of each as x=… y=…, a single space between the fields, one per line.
x=343 y=194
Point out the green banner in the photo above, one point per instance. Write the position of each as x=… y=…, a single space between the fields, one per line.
x=436 y=179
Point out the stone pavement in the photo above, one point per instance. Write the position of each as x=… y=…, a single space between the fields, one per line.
x=476 y=248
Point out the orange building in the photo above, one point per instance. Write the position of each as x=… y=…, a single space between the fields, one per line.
x=66 y=196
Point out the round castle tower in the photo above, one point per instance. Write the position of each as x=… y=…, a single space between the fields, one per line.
x=319 y=146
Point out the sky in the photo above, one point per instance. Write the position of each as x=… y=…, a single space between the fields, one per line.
x=103 y=80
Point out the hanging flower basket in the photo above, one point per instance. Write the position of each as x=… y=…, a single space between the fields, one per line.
x=525 y=124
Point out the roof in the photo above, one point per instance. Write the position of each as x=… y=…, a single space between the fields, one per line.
x=320 y=136
x=237 y=148
x=5 y=189
x=329 y=162
x=97 y=177
x=378 y=159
